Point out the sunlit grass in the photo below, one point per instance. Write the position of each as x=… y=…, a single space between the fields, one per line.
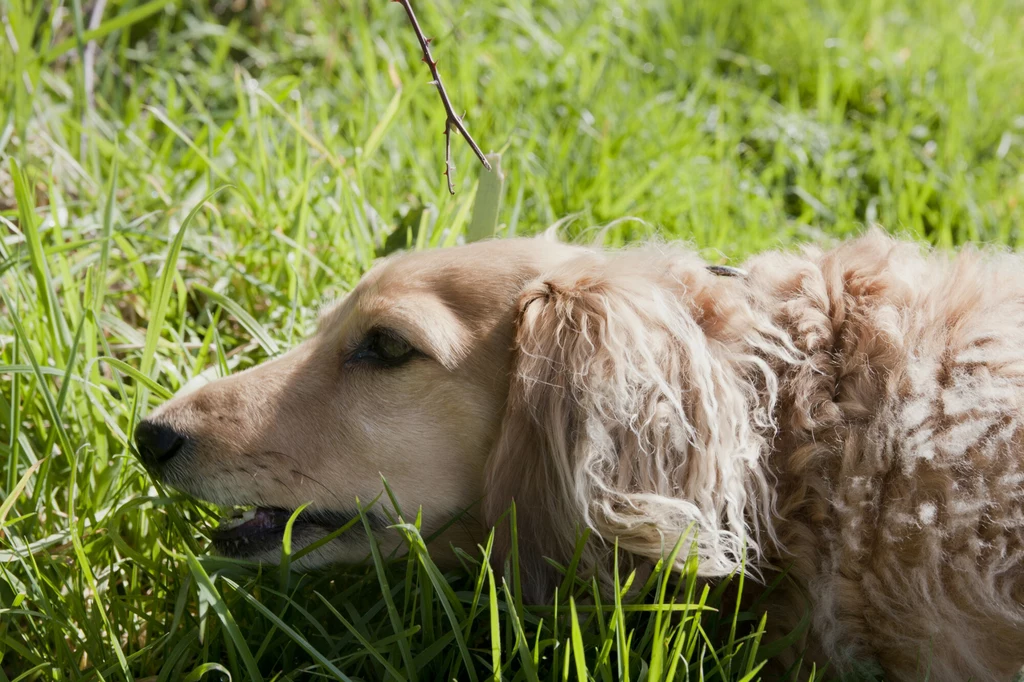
x=127 y=268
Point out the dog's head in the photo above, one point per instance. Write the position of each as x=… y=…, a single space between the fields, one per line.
x=593 y=390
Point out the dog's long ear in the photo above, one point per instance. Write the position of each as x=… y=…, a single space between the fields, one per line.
x=636 y=408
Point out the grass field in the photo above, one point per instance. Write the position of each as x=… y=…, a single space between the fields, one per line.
x=737 y=125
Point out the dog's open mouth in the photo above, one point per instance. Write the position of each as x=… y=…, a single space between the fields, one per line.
x=254 y=530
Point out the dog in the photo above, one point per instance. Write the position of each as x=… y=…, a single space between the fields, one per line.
x=851 y=416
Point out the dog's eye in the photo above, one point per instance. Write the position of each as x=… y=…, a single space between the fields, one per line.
x=384 y=347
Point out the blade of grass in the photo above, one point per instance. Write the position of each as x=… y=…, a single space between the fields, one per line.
x=13 y=495
x=284 y=568
x=162 y=294
x=365 y=643
x=495 y=623
x=522 y=644
x=393 y=616
x=132 y=372
x=213 y=597
x=125 y=20
x=579 y=654
x=449 y=602
x=249 y=322
x=288 y=630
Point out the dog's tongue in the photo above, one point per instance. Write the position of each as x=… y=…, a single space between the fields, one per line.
x=252 y=522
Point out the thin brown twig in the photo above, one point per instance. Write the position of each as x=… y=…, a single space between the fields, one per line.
x=452 y=120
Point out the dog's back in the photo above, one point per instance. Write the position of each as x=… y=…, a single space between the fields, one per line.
x=901 y=453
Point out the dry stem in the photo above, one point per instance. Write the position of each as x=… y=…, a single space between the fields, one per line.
x=452 y=120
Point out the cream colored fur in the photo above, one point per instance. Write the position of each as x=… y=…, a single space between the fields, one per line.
x=852 y=416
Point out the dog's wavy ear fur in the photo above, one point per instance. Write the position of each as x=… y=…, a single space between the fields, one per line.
x=639 y=403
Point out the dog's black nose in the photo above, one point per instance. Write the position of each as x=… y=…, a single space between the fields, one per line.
x=157 y=443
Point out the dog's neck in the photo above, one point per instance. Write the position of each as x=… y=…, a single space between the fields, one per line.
x=818 y=300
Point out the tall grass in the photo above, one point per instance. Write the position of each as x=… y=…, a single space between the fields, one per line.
x=128 y=267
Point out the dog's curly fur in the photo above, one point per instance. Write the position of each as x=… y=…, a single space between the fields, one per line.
x=851 y=416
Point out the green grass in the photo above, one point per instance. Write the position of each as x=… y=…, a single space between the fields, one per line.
x=737 y=125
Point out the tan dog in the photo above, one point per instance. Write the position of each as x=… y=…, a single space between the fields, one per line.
x=854 y=415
